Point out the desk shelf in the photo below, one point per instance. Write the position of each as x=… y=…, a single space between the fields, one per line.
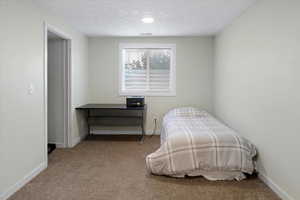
x=114 y=115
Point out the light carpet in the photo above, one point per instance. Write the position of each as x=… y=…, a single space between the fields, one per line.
x=103 y=169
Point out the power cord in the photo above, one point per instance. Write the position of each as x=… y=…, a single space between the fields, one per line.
x=154 y=129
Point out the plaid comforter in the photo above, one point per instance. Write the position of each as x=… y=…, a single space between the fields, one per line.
x=193 y=140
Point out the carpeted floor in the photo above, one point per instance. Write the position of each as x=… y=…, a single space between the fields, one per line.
x=98 y=169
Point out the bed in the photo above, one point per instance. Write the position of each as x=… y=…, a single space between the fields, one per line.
x=194 y=143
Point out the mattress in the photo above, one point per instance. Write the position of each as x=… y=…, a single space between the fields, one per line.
x=194 y=143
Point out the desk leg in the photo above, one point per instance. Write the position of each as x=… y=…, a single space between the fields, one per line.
x=143 y=132
x=143 y=135
x=89 y=128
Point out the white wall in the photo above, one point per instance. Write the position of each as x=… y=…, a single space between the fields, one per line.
x=22 y=136
x=256 y=90
x=56 y=85
x=194 y=73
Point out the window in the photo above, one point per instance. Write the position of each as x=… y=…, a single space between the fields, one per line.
x=147 y=69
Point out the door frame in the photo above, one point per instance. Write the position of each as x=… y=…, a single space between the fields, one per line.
x=67 y=86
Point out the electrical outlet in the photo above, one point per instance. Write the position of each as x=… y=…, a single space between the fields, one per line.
x=154 y=117
x=30 y=89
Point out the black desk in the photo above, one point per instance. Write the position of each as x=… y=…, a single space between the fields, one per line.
x=115 y=115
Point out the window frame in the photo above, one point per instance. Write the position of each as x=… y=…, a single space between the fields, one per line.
x=172 y=47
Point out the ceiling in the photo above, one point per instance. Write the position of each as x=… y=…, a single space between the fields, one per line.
x=123 y=17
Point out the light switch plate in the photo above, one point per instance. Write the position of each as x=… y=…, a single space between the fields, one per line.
x=31 y=89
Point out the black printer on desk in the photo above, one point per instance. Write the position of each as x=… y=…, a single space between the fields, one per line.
x=135 y=101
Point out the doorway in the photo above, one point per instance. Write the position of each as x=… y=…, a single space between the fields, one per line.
x=57 y=89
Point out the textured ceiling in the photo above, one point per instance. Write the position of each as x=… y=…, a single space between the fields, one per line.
x=123 y=17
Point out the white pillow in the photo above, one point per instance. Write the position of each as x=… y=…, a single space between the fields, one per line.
x=186 y=112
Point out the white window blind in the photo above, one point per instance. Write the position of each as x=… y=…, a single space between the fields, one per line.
x=147 y=71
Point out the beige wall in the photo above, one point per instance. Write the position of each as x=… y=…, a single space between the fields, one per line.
x=256 y=84
x=22 y=136
x=256 y=87
x=194 y=73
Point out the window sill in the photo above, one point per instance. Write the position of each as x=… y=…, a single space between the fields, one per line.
x=169 y=94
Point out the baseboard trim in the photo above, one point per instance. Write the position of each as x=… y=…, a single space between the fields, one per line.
x=279 y=191
x=114 y=132
x=58 y=145
x=150 y=132
x=10 y=191
x=121 y=131
x=76 y=141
